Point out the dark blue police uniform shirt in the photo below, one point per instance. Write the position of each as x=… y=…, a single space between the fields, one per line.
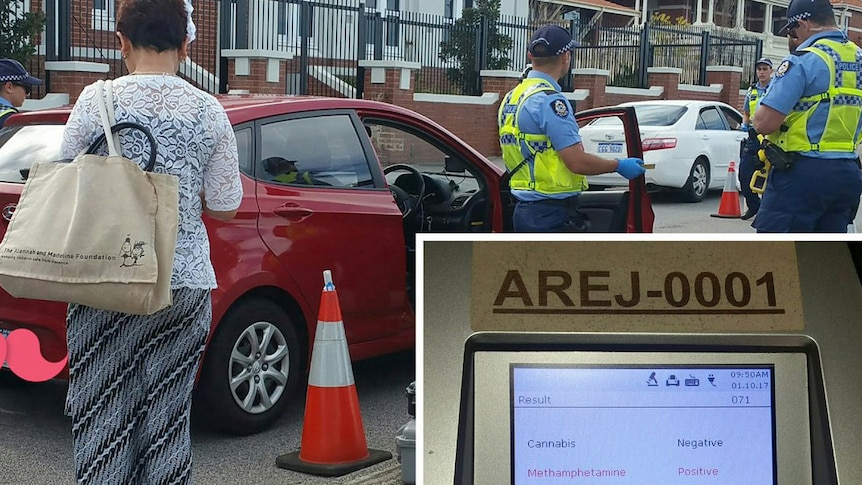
x=805 y=75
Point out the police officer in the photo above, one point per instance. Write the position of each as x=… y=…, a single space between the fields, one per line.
x=15 y=85
x=763 y=71
x=811 y=112
x=541 y=145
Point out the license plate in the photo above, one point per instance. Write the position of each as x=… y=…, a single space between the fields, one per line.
x=610 y=147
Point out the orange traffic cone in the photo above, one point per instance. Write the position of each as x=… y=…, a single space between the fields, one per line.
x=729 y=206
x=333 y=436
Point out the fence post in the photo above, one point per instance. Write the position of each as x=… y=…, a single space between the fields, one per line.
x=242 y=24
x=378 y=36
x=645 y=55
x=224 y=42
x=361 y=49
x=705 y=40
x=480 y=55
x=305 y=18
x=758 y=50
x=58 y=32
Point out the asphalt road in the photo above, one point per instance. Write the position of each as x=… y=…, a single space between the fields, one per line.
x=36 y=443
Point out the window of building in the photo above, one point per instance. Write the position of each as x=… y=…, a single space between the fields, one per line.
x=779 y=18
x=724 y=14
x=103 y=15
x=755 y=15
x=449 y=9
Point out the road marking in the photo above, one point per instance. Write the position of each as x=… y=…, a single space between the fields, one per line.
x=6 y=411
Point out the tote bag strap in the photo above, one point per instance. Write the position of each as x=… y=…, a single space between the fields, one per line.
x=107 y=116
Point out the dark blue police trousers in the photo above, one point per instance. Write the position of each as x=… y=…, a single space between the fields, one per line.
x=813 y=195
x=542 y=216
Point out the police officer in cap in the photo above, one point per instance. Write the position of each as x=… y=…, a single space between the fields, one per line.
x=763 y=71
x=15 y=85
x=811 y=117
x=541 y=145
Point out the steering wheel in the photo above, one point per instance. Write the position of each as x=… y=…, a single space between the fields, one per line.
x=408 y=203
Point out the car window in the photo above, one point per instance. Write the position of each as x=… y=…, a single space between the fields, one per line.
x=394 y=146
x=734 y=120
x=22 y=146
x=710 y=119
x=397 y=144
x=244 y=144
x=323 y=151
x=648 y=115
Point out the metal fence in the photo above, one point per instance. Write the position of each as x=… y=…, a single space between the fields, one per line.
x=322 y=42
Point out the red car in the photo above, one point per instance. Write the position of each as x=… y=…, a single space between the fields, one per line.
x=339 y=184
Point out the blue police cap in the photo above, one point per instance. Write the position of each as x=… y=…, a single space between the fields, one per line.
x=764 y=60
x=12 y=70
x=550 y=41
x=803 y=9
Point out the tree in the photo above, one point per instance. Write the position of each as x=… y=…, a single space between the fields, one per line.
x=18 y=30
x=462 y=46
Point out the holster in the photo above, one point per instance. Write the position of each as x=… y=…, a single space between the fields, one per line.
x=778 y=158
x=578 y=221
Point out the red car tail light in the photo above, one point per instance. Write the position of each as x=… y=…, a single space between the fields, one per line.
x=658 y=143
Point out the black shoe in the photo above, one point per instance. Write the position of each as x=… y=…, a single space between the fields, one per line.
x=749 y=214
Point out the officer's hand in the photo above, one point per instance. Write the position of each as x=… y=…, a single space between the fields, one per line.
x=630 y=167
x=744 y=127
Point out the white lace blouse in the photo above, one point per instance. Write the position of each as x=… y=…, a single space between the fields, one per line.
x=195 y=142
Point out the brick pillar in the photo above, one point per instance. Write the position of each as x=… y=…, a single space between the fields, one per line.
x=730 y=78
x=500 y=82
x=594 y=82
x=666 y=77
x=73 y=76
x=257 y=71
x=390 y=81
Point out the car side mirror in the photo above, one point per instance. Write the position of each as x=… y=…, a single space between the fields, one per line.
x=455 y=165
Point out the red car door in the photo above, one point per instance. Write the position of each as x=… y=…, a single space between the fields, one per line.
x=323 y=205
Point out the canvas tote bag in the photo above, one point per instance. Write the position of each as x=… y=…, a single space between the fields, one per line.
x=99 y=231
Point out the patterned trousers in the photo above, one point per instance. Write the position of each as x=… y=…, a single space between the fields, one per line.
x=130 y=387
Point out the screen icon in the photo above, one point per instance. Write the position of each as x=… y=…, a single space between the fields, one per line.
x=692 y=381
x=652 y=380
x=711 y=380
x=672 y=381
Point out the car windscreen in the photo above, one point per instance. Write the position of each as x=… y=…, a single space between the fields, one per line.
x=22 y=146
x=648 y=115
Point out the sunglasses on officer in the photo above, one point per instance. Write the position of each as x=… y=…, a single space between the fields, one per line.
x=27 y=88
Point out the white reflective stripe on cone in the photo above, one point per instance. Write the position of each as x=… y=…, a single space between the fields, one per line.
x=330 y=360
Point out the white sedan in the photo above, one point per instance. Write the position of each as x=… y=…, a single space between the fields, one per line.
x=688 y=145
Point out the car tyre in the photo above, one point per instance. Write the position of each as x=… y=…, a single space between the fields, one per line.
x=697 y=185
x=250 y=370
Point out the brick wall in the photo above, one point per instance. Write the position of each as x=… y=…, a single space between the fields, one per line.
x=475 y=122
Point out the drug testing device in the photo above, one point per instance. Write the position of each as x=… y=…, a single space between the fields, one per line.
x=590 y=408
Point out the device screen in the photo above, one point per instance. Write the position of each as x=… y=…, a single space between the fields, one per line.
x=633 y=424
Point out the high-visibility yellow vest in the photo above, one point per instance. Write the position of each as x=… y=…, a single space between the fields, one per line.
x=6 y=110
x=545 y=173
x=843 y=96
x=752 y=100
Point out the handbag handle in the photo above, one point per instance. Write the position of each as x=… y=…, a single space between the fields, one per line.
x=151 y=163
x=106 y=113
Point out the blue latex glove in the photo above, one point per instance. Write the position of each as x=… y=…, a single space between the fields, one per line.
x=630 y=167
x=744 y=127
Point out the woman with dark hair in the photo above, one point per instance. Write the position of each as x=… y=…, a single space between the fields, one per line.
x=131 y=376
